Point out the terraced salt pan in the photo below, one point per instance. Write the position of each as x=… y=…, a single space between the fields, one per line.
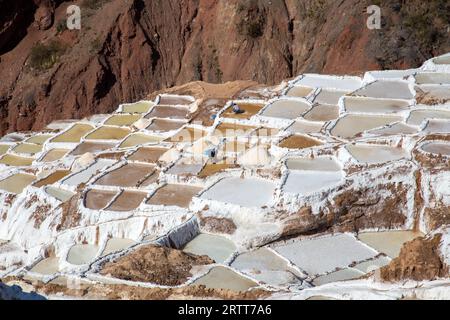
x=352 y=124
x=188 y=134
x=248 y=110
x=84 y=175
x=60 y=194
x=298 y=141
x=16 y=161
x=47 y=266
x=299 y=91
x=39 y=139
x=148 y=154
x=175 y=100
x=322 y=112
x=316 y=164
x=127 y=201
x=264 y=265
x=388 y=242
x=371 y=105
x=325 y=254
x=82 y=254
x=442 y=60
x=416 y=117
x=186 y=167
x=341 y=275
x=12 y=137
x=432 y=78
x=331 y=97
x=160 y=111
x=394 y=129
x=249 y=192
x=436 y=92
x=17 y=182
x=92 y=147
x=437 y=147
x=165 y=125
x=232 y=130
x=174 y=195
x=54 y=154
x=388 y=89
x=98 y=199
x=234 y=146
x=373 y=264
x=308 y=182
x=117 y=244
x=128 y=175
x=4 y=148
x=122 y=119
x=136 y=139
x=138 y=107
x=74 y=134
x=286 y=109
x=28 y=148
x=216 y=247
x=52 y=178
x=301 y=126
x=437 y=126
x=224 y=278
x=108 y=133
x=212 y=168
x=371 y=153
x=331 y=82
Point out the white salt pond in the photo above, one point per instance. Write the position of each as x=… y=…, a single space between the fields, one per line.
x=373 y=264
x=316 y=164
x=416 y=117
x=437 y=126
x=301 y=126
x=437 y=147
x=325 y=254
x=322 y=112
x=332 y=97
x=286 y=109
x=372 y=153
x=17 y=182
x=388 y=242
x=308 y=182
x=224 y=278
x=84 y=175
x=82 y=254
x=371 y=105
x=324 y=81
x=352 y=124
x=60 y=194
x=394 y=129
x=117 y=244
x=265 y=266
x=432 y=78
x=299 y=91
x=216 y=247
x=341 y=275
x=47 y=266
x=250 y=192
x=388 y=89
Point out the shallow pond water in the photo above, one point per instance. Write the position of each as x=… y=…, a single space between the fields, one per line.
x=47 y=266
x=117 y=244
x=82 y=254
x=418 y=116
x=308 y=182
x=52 y=178
x=136 y=139
x=248 y=110
x=332 y=97
x=323 y=81
x=437 y=147
x=168 y=112
x=128 y=175
x=322 y=112
x=353 y=124
x=148 y=154
x=74 y=134
x=341 y=275
x=224 y=278
x=372 y=153
x=216 y=247
x=16 y=161
x=39 y=139
x=92 y=147
x=122 y=119
x=388 y=242
x=314 y=164
x=299 y=91
x=174 y=195
x=286 y=109
x=127 y=201
x=138 y=107
x=165 y=125
x=98 y=199
x=54 y=154
x=370 y=105
x=108 y=133
x=17 y=182
x=301 y=126
x=298 y=141
x=60 y=194
x=386 y=89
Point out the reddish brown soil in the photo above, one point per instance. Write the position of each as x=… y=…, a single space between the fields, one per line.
x=217 y=225
x=419 y=260
x=155 y=264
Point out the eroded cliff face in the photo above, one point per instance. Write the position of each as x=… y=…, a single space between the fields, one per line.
x=129 y=48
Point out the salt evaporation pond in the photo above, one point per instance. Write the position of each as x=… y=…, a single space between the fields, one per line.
x=299 y=91
x=92 y=147
x=127 y=201
x=330 y=97
x=122 y=119
x=323 y=81
x=371 y=105
x=224 y=278
x=16 y=161
x=81 y=254
x=54 y=154
x=232 y=130
x=136 y=139
x=316 y=164
x=128 y=175
x=416 y=117
x=216 y=247
x=74 y=134
x=4 y=148
x=60 y=194
x=394 y=129
x=388 y=242
x=248 y=110
x=174 y=195
x=308 y=182
x=47 y=266
x=175 y=100
x=373 y=264
x=386 y=89
x=84 y=175
x=28 y=148
x=437 y=147
x=265 y=266
x=108 y=133
x=17 y=182
x=286 y=109
x=52 y=178
x=148 y=154
x=165 y=125
x=437 y=126
x=98 y=199
x=352 y=124
x=325 y=254
x=301 y=126
x=168 y=112
x=432 y=78
x=249 y=192
x=117 y=244
x=371 y=153
x=322 y=112
x=39 y=139
x=341 y=275
x=299 y=141
x=138 y=107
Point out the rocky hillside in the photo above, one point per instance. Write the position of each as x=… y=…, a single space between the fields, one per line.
x=129 y=48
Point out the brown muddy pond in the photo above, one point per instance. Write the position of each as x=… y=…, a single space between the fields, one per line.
x=175 y=100
x=165 y=125
x=127 y=201
x=224 y=278
x=299 y=142
x=92 y=147
x=249 y=110
x=52 y=178
x=174 y=195
x=98 y=199
x=128 y=175
x=148 y=154
x=212 y=168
